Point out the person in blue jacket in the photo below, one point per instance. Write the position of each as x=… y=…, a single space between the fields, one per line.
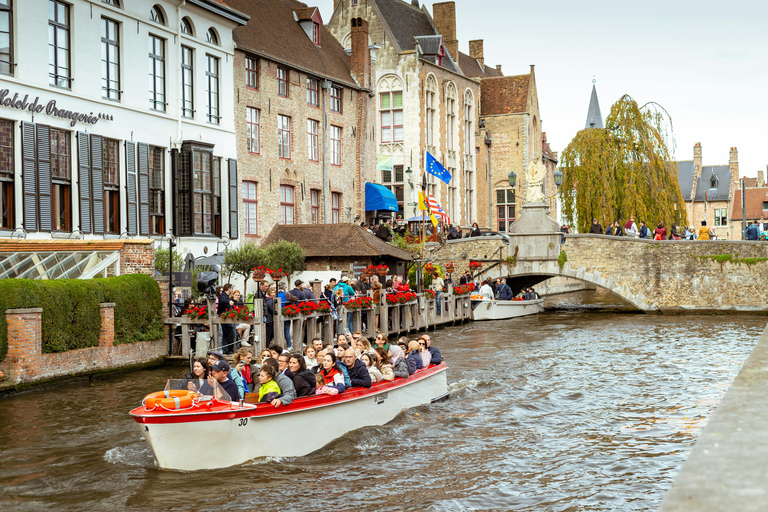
x=505 y=292
x=356 y=369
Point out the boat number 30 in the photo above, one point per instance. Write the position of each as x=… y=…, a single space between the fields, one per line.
x=243 y=422
x=379 y=399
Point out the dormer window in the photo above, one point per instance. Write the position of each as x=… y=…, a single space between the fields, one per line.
x=316 y=33
x=713 y=181
x=310 y=21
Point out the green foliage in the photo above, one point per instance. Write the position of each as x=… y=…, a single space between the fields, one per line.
x=623 y=170
x=399 y=242
x=161 y=261
x=427 y=277
x=562 y=258
x=286 y=255
x=722 y=258
x=242 y=259
x=71 y=318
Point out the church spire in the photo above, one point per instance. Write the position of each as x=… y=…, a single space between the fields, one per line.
x=594 y=118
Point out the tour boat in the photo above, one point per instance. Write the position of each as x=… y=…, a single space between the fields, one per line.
x=187 y=431
x=486 y=309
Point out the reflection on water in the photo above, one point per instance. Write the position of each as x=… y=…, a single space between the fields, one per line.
x=580 y=408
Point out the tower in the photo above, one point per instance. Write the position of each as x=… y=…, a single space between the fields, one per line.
x=594 y=118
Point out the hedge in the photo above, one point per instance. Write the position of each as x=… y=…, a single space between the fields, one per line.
x=71 y=318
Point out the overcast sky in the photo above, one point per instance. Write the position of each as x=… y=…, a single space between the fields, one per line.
x=705 y=62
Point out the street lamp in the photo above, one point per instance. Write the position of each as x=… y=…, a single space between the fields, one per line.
x=558 y=178
x=512 y=177
x=488 y=141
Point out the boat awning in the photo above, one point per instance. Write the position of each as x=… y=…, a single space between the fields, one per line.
x=379 y=197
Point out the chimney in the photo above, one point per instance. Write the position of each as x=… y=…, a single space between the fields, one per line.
x=361 y=55
x=476 y=51
x=415 y=3
x=696 y=167
x=760 y=179
x=444 y=15
x=733 y=166
x=498 y=68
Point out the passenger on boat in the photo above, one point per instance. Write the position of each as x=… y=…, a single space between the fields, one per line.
x=505 y=292
x=265 y=354
x=402 y=342
x=363 y=346
x=234 y=375
x=310 y=357
x=285 y=384
x=321 y=388
x=426 y=355
x=381 y=341
x=370 y=361
x=332 y=372
x=318 y=344
x=198 y=382
x=303 y=379
x=385 y=365
x=282 y=365
x=413 y=359
x=358 y=372
x=399 y=365
x=219 y=372
x=486 y=291
x=269 y=389
x=437 y=357
x=246 y=369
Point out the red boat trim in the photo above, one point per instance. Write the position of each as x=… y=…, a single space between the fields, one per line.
x=232 y=410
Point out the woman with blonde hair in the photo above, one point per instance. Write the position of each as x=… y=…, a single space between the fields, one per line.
x=384 y=365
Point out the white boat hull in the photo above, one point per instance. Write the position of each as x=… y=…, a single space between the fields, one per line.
x=192 y=442
x=502 y=309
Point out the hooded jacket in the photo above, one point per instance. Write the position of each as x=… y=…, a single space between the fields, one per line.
x=305 y=383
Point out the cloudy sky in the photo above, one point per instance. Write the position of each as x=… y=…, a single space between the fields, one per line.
x=705 y=62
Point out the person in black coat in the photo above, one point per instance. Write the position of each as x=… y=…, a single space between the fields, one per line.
x=475 y=231
x=296 y=292
x=303 y=379
x=596 y=228
x=358 y=372
x=308 y=293
x=466 y=278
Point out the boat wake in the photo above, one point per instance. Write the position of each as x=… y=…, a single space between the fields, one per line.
x=136 y=455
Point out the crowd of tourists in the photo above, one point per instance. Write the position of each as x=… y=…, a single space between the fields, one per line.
x=631 y=229
x=386 y=229
x=280 y=376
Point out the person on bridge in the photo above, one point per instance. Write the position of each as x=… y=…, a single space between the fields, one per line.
x=630 y=228
x=703 y=231
x=596 y=228
x=609 y=229
x=753 y=231
x=618 y=229
x=660 y=233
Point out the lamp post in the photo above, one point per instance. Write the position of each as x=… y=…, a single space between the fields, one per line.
x=558 y=182
x=488 y=141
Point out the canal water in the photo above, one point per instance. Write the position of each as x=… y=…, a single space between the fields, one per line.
x=588 y=406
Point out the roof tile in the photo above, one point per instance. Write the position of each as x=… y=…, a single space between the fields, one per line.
x=756 y=199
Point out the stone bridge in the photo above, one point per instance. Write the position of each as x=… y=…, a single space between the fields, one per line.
x=653 y=276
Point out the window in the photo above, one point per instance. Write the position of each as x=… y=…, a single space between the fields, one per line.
x=394 y=181
x=721 y=216
x=335 y=145
x=469 y=164
x=186 y=26
x=314 y=206
x=313 y=86
x=212 y=74
x=156 y=191
x=765 y=206
x=61 y=180
x=505 y=208
x=430 y=112
x=450 y=117
x=6 y=37
x=312 y=149
x=113 y=3
x=282 y=82
x=156 y=73
x=253 y=116
x=449 y=209
x=187 y=82
x=391 y=117
x=156 y=15
x=59 y=72
x=713 y=181
x=283 y=136
x=286 y=204
x=336 y=99
x=335 y=207
x=6 y=175
x=212 y=37
x=111 y=181
x=217 y=196
x=316 y=33
x=250 y=208
x=202 y=168
x=354 y=3
x=110 y=59
x=252 y=72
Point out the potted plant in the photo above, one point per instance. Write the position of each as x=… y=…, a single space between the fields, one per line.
x=475 y=265
x=449 y=268
x=260 y=272
x=198 y=312
x=382 y=270
x=277 y=274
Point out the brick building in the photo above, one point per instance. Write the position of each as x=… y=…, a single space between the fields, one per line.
x=425 y=102
x=304 y=117
x=757 y=204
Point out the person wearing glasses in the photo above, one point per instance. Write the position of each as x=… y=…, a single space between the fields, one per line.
x=437 y=357
x=381 y=341
x=356 y=369
x=426 y=356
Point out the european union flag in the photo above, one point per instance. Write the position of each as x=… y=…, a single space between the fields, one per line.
x=435 y=168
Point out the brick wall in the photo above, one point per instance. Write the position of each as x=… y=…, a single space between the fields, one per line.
x=26 y=363
x=138 y=257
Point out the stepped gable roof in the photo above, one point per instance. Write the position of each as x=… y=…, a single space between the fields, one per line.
x=471 y=68
x=594 y=118
x=405 y=22
x=336 y=240
x=685 y=178
x=756 y=198
x=722 y=192
x=504 y=95
x=750 y=182
x=274 y=33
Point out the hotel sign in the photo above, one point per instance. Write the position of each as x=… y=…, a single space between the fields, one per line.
x=50 y=108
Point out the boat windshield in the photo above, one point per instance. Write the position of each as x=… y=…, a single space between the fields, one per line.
x=199 y=386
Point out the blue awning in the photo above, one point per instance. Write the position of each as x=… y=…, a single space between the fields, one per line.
x=379 y=197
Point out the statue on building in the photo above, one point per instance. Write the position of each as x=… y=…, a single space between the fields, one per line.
x=535 y=179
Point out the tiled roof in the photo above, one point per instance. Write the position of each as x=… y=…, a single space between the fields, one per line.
x=750 y=182
x=504 y=95
x=274 y=33
x=722 y=192
x=430 y=45
x=405 y=22
x=594 y=117
x=306 y=13
x=756 y=198
x=336 y=240
x=685 y=178
x=470 y=67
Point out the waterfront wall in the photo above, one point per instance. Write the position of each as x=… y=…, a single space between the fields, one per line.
x=26 y=363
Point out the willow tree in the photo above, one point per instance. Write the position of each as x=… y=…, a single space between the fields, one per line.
x=626 y=169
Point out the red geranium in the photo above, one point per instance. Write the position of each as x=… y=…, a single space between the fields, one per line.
x=359 y=303
x=474 y=265
x=198 y=312
x=464 y=289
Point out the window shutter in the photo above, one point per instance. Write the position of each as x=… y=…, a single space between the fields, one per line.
x=130 y=165
x=97 y=183
x=182 y=181
x=233 y=226
x=29 y=172
x=44 y=192
x=84 y=171
x=143 y=188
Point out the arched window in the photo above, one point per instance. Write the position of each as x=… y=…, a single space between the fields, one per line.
x=430 y=94
x=156 y=15
x=114 y=3
x=391 y=110
x=469 y=156
x=450 y=115
x=186 y=26
x=212 y=37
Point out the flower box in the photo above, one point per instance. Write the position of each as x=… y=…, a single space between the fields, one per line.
x=475 y=265
x=430 y=294
x=237 y=313
x=449 y=268
x=198 y=312
x=400 y=298
x=464 y=289
x=359 y=303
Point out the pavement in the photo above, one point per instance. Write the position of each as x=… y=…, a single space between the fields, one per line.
x=728 y=467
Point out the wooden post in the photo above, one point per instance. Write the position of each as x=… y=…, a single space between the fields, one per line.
x=212 y=325
x=185 y=342
x=277 y=325
x=383 y=314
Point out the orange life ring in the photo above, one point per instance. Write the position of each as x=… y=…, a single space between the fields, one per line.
x=173 y=399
